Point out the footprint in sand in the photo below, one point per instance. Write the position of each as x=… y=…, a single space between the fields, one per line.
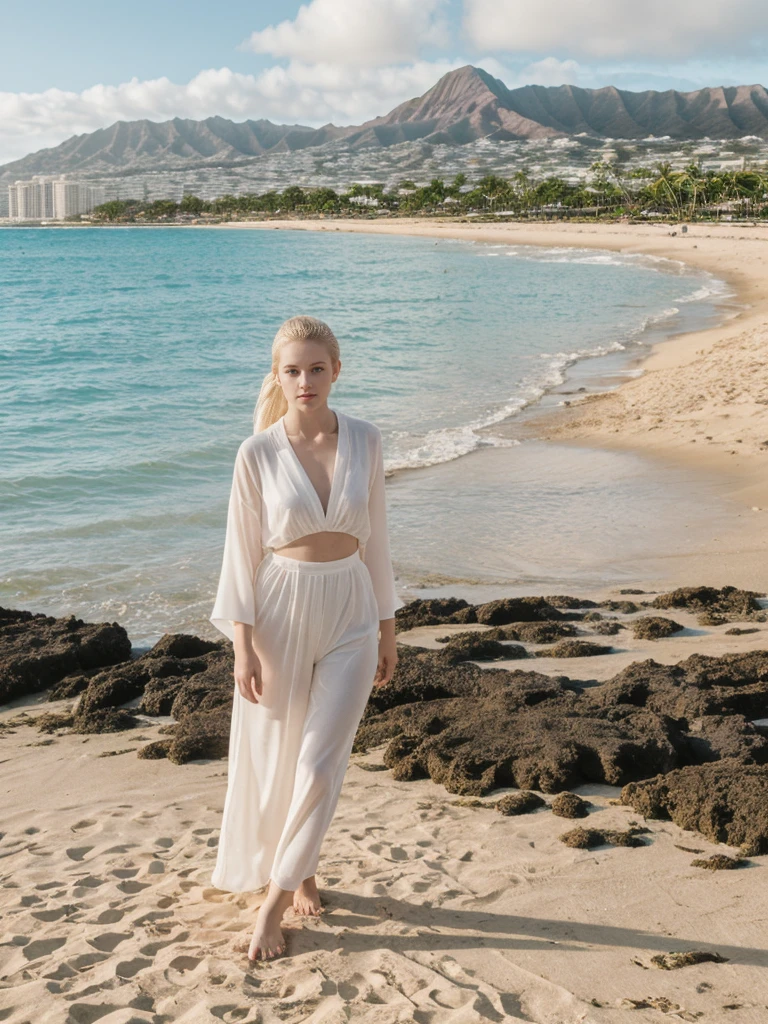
x=111 y=916
x=166 y=842
x=130 y=968
x=78 y=852
x=88 y=882
x=179 y=967
x=42 y=947
x=153 y=948
x=130 y=888
x=85 y=823
x=109 y=941
x=54 y=915
x=84 y=961
x=230 y=1012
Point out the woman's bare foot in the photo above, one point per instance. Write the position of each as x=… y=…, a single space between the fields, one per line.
x=267 y=940
x=306 y=899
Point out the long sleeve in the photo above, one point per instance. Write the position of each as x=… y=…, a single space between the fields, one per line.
x=376 y=554
x=243 y=552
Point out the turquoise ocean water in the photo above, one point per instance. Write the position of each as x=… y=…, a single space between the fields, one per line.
x=130 y=362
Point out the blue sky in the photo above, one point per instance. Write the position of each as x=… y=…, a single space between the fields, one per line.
x=71 y=68
x=75 y=44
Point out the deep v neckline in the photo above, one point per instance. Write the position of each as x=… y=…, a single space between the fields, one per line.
x=341 y=439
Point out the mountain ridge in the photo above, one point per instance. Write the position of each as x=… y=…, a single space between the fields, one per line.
x=464 y=105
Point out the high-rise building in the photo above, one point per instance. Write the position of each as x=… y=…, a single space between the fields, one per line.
x=46 y=198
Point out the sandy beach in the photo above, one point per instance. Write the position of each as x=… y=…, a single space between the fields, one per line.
x=437 y=908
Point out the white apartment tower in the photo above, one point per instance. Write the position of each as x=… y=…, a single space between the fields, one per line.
x=45 y=198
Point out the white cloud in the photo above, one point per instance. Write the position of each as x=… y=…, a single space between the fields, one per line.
x=355 y=33
x=550 y=71
x=657 y=29
x=308 y=94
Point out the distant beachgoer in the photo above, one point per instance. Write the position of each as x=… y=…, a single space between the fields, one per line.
x=306 y=587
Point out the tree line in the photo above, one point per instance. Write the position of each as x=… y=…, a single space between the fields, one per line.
x=607 y=190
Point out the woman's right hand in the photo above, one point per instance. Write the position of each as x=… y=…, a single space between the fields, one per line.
x=248 y=674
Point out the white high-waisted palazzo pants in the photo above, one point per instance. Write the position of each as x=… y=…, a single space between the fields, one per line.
x=316 y=635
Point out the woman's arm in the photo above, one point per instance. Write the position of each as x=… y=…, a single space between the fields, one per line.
x=234 y=611
x=379 y=562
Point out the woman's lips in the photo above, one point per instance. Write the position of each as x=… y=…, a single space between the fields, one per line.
x=306 y=396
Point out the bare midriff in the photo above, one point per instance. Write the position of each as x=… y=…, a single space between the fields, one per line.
x=320 y=547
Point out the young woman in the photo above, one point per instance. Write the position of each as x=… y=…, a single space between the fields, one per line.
x=307 y=595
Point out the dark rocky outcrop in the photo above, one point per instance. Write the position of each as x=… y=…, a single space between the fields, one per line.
x=728 y=602
x=522 y=802
x=654 y=627
x=719 y=862
x=37 y=651
x=585 y=838
x=473 y=746
x=699 y=685
x=569 y=805
x=574 y=649
x=727 y=801
x=681 y=734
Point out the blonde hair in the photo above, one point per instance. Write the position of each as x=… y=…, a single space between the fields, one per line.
x=271 y=403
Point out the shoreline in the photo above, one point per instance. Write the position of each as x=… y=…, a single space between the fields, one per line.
x=701 y=401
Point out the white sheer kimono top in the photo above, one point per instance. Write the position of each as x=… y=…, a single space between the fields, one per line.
x=273 y=502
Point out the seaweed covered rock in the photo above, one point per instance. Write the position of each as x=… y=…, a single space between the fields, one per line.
x=608 y=627
x=719 y=862
x=476 y=646
x=654 y=627
x=197 y=676
x=527 y=632
x=201 y=735
x=574 y=649
x=154 y=751
x=699 y=685
x=517 y=609
x=713 y=737
x=726 y=801
x=424 y=675
x=472 y=746
x=730 y=603
x=38 y=651
x=586 y=838
x=571 y=603
x=625 y=607
x=569 y=805
x=433 y=612
x=522 y=802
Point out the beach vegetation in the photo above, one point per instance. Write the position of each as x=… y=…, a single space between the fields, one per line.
x=608 y=190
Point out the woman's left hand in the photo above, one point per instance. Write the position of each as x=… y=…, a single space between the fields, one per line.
x=387 y=653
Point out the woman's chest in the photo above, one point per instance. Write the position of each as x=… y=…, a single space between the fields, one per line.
x=288 y=492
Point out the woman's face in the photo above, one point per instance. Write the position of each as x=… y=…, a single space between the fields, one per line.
x=306 y=373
